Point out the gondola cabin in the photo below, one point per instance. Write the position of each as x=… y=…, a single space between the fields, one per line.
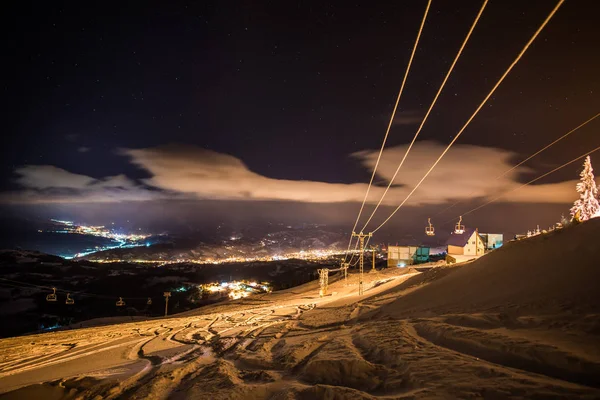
x=459 y=229
x=429 y=230
x=51 y=296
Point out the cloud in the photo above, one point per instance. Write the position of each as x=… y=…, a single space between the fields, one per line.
x=189 y=172
x=83 y=149
x=48 y=176
x=207 y=174
x=49 y=184
x=562 y=192
x=465 y=172
x=409 y=117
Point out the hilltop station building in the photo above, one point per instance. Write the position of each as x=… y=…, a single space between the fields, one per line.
x=460 y=247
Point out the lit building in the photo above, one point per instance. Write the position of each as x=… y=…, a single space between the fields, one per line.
x=492 y=240
x=401 y=256
x=469 y=243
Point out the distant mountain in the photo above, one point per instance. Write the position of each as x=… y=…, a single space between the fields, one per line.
x=39 y=235
x=285 y=241
x=26 y=256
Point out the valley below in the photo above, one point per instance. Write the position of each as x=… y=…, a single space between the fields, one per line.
x=520 y=322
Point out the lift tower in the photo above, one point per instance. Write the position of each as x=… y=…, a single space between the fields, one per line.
x=323 y=281
x=373 y=250
x=344 y=267
x=361 y=259
x=167 y=295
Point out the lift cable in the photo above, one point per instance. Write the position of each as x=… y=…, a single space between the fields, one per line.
x=348 y=249
x=435 y=99
x=353 y=254
x=548 y=18
x=527 y=159
x=365 y=246
x=80 y=293
x=391 y=119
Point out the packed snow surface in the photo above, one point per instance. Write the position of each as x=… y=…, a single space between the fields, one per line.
x=520 y=322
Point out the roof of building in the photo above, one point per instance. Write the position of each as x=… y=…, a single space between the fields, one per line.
x=460 y=240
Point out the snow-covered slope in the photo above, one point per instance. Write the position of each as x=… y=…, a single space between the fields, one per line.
x=550 y=273
x=521 y=322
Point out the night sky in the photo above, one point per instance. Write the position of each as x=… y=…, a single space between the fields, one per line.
x=158 y=103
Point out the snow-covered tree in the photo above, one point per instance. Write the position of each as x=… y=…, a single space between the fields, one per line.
x=587 y=205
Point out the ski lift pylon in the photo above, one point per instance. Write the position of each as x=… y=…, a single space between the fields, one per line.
x=69 y=299
x=120 y=302
x=459 y=229
x=429 y=230
x=52 y=296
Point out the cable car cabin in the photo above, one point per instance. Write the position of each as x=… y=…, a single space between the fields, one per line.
x=69 y=299
x=429 y=230
x=52 y=296
x=459 y=229
x=120 y=302
x=149 y=302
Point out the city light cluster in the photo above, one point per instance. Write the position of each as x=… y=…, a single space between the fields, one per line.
x=310 y=255
x=123 y=240
x=101 y=231
x=236 y=289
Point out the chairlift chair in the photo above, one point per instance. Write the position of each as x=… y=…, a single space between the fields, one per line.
x=149 y=302
x=429 y=230
x=459 y=229
x=120 y=302
x=69 y=299
x=52 y=296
